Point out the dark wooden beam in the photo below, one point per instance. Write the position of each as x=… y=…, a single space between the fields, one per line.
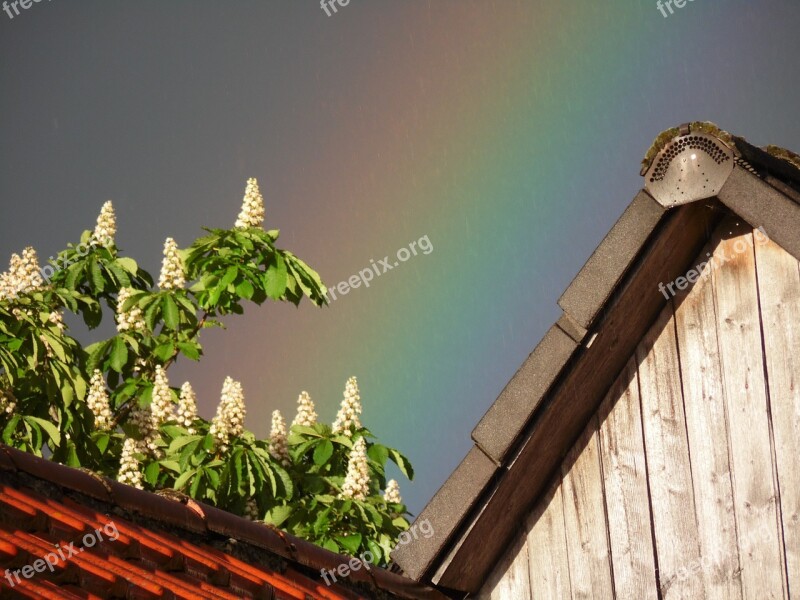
x=567 y=408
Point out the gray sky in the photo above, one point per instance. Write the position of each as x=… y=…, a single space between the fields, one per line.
x=509 y=132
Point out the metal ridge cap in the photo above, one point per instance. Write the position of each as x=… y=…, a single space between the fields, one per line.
x=690 y=166
x=670 y=134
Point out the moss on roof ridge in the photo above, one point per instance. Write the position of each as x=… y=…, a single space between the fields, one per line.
x=666 y=136
x=784 y=154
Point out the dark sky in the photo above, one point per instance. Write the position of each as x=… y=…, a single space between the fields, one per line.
x=509 y=132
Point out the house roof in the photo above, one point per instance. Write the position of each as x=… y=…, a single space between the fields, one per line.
x=171 y=547
x=694 y=174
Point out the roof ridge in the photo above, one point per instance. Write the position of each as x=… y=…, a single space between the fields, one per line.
x=695 y=173
x=668 y=135
x=191 y=516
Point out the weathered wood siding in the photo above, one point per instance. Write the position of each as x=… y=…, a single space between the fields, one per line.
x=686 y=483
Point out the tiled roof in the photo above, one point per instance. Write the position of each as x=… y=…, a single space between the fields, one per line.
x=693 y=175
x=108 y=540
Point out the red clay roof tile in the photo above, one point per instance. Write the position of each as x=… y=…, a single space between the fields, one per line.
x=154 y=546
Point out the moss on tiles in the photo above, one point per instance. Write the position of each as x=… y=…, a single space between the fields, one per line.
x=784 y=154
x=661 y=140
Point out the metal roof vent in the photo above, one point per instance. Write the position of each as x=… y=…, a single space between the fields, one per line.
x=693 y=166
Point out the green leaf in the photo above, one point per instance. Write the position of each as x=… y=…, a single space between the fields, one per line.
x=227 y=279
x=374 y=516
x=51 y=429
x=74 y=272
x=190 y=350
x=322 y=523
x=72 y=456
x=181 y=481
x=151 y=315
x=101 y=441
x=323 y=452
x=278 y=514
x=131 y=341
x=171 y=316
x=188 y=452
x=306 y=430
x=79 y=384
x=128 y=264
x=237 y=463
x=67 y=394
x=402 y=462
x=9 y=430
x=251 y=477
x=174 y=431
x=245 y=289
x=376 y=550
x=378 y=453
x=213 y=477
x=123 y=279
x=151 y=473
x=400 y=523
x=351 y=543
x=119 y=354
x=182 y=441
x=92 y=315
x=193 y=489
x=55 y=345
x=186 y=303
x=98 y=282
x=97 y=353
x=164 y=352
x=275 y=277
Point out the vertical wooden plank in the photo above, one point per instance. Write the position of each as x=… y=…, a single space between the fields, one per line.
x=707 y=430
x=547 y=549
x=667 y=451
x=509 y=580
x=779 y=300
x=585 y=519
x=625 y=483
x=754 y=488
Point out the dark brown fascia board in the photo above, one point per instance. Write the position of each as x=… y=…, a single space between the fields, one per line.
x=507 y=417
x=445 y=512
x=593 y=285
x=201 y=519
x=565 y=411
x=762 y=205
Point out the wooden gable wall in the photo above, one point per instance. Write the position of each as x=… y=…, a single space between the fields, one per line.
x=686 y=483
